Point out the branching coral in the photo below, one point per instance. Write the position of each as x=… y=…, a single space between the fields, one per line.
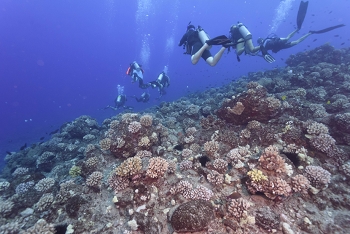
x=129 y=167
x=220 y=165
x=118 y=183
x=272 y=161
x=105 y=144
x=146 y=120
x=215 y=177
x=186 y=165
x=157 y=167
x=211 y=147
x=94 y=180
x=134 y=127
x=300 y=184
x=186 y=153
x=44 y=184
x=277 y=187
x=187 y=191
x=256 y=175
x=318 y=177
x=45 y=202
x=238 y=208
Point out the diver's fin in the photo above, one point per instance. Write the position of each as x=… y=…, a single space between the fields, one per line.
x=220 y=40
x=268 y=58
x=301 y=13
x=327 y=29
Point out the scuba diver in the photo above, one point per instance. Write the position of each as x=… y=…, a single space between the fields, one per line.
x=136 y=73
x=144 y=97
x=197 y=44
x=162 y=82
x=241 y=40
x=119 y=101
x=275 y=43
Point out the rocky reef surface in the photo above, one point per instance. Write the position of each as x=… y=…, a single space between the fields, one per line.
x=268 y=153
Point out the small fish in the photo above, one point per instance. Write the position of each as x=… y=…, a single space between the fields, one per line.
x=41 y=138
x=313 y=15
x=23 y=146
x=8 y=152
x=314 y=40
x=342 y=43
x=330 y=12
x=336 y=35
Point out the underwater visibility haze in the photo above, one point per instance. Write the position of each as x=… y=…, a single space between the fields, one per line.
x=255 y=146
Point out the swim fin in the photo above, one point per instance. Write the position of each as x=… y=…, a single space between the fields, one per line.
x=301 y=13
x=220 y=40
x=327 y=29
x=268 y=57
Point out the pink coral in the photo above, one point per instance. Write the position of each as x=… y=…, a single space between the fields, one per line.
x=318 y=177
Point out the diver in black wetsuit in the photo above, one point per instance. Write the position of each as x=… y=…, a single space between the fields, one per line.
x=275 y=43
x=119 y=102
x=144 y=97
x=162 y=82
x=197 y=45
x=136 y=73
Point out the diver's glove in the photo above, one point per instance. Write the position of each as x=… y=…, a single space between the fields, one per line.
x=268 y=57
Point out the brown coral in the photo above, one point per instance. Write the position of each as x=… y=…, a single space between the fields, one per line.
x=129 y=167
x=157 y=167
x=272 y=161
x=105 y=144
x=146 y=120
x=94 y=180
x=238 y=208
x=134 y=127
x=300 y=184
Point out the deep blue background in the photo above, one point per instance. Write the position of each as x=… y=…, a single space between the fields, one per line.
x=62 y=59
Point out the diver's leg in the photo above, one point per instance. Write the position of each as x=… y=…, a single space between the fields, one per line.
x=195 y=57
x=300 y=39
x=290 y=35
x=212 y=61
x=250 y=46
x=240 y=47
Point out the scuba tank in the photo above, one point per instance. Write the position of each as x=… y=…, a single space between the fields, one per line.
x=136 y=66
x=203 y=36
x=244 y=32
x=160 y=77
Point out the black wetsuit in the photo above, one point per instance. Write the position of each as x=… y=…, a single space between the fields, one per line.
x=275 y=43
x=144 y=98
x=235 y=35
x=120 y=101
x=193 y=43
x=161 y=83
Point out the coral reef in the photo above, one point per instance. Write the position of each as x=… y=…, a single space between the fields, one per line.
x=266 y=153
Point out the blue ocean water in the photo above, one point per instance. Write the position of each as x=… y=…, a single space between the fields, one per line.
x=63 y=59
